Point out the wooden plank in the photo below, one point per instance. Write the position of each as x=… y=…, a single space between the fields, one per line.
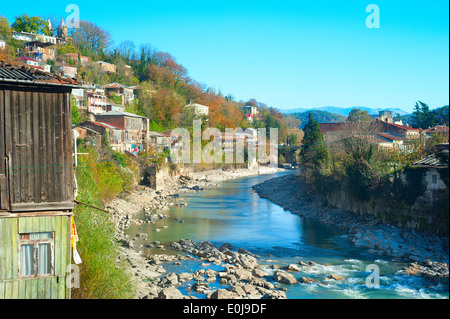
x=58 y=239
x=15 y=159
x=27 y=140
x=35 y=149
x=3 y=222
x=43 y=152
x=67 y=249
x=15 y=289
x=54 y=288
x=7 y=136
x=7 y=242
x=22 y=289
x=2 y=290
x=14 y=248
x=42 y=206
x=8 y=290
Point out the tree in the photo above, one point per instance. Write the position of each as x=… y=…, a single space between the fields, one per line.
x=5 y=29
x=314 y=153
x=358 y=115
x=423 y=117
x=91 y=38
x=26 y=23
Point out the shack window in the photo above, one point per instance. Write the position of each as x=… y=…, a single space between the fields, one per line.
x=36 y=254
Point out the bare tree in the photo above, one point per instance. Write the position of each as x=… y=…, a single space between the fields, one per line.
x=90 y=37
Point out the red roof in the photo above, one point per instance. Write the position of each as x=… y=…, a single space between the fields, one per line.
x=437 y=129
x=391 y=137
x=402 y=127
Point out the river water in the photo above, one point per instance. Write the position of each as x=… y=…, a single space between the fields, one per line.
x=233 y=213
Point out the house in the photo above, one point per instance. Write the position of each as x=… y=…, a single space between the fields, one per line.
x=384 y=116
x=112 y=107
x=400 y=130
x=94 y=132
x=199 y=110
x=440 y=130
x=78 y=58
x=436 y=174
x=159 y=140
x=2 y=44
x=30 y=37
x=40 y=51
x=66 y=70
x=135 y=128
x=107 y=67
x=251 y=110
x=36 y=64
x=96 y=102
x=36 y=184
x=121 y=90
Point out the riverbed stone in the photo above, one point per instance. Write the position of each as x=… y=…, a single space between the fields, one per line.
x=170 y=293
x=284 y=277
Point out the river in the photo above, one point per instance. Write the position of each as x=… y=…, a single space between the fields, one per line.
x=233 y=213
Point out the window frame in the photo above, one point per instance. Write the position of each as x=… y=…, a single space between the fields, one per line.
x=35 y=243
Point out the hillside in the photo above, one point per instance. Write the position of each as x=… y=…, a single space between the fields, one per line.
x=319 y=116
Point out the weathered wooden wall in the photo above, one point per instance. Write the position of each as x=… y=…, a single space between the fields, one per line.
x=36 y=171
x=50 y=287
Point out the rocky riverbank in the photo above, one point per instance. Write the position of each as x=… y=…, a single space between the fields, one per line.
x=148 y=270
x=429 y=254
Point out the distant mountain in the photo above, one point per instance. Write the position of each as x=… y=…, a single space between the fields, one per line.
x=319 y=116
x=344 y=111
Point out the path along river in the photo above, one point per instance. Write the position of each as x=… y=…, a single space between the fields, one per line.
x=233 y=213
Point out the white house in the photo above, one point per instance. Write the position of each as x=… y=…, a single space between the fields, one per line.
x=200 y=110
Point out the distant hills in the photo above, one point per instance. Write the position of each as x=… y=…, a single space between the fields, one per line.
x=344 y=111
x=319 y=116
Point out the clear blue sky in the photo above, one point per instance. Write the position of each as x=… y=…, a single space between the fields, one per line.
x=288 y=54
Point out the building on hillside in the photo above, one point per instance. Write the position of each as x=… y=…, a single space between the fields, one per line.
x=96 y=102
x=136 y=129
x=384 y=116
x=400 y=130
x=126 y=93
x=440 y=130
x=107 y=67
x=31 y=37
x=199 y=110
x=36 y=184
x=94 y=132
x=78 y=58
x=40 y=51
x=250 y=109
x=66 y=70
x=114 y=107
x=158 y=141
x=36 y=64
x=436 y=175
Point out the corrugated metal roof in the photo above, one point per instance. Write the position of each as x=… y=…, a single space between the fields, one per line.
x=30 y=75
x=433 y=160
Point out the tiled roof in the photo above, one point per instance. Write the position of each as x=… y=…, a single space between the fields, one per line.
x=30 y=75
x=391 y=137
x=437 y=129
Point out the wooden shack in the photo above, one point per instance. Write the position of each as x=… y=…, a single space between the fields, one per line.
x=36 y=183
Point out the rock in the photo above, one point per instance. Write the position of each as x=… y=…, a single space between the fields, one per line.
x=413 y=269
x=306 y=280
x=242 y=274
x=259 y=273
x=292 y=267
x=170 y=293
x=222 y=294
x=336 y=277
x=284 y=277
x=225 y=246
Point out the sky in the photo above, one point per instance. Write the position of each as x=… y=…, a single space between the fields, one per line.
x=287 y=54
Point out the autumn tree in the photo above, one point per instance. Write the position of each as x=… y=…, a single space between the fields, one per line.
x=5 y=29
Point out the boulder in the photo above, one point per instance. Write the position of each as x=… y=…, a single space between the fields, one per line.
x=222 y=294
x=170 y=293
x=284 y=277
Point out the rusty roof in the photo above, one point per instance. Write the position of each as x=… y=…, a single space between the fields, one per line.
x=29 y=75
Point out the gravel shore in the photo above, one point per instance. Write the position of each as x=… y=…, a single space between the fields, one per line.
x=149 y=270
